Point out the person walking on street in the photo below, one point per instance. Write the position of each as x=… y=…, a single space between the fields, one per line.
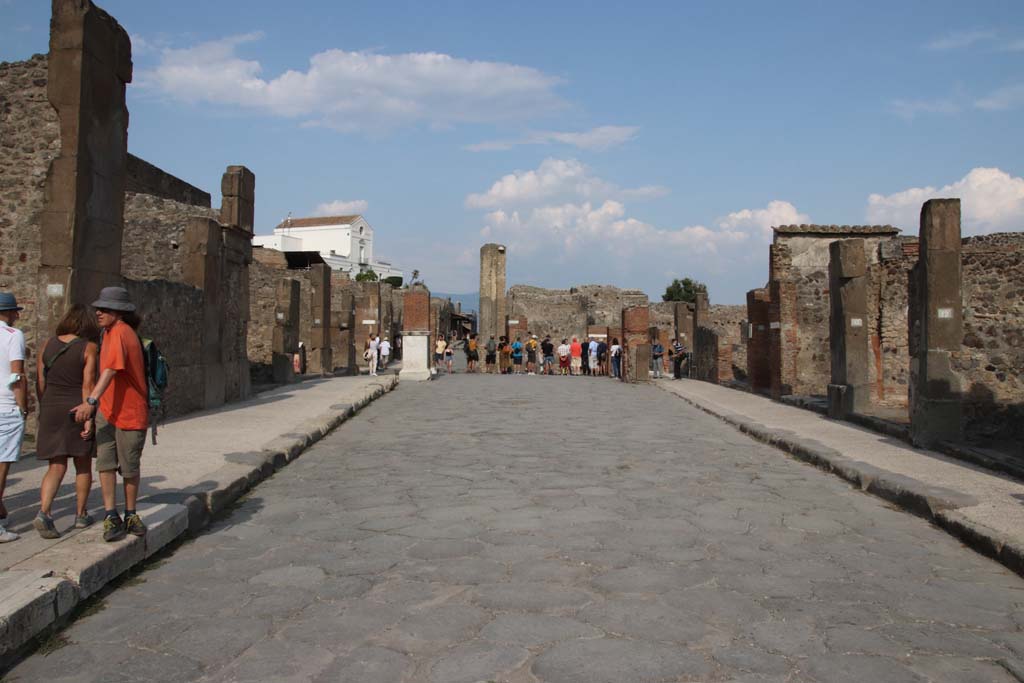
x=616 y=354
x=472 y=353
x=657 y=357
x=65 y=376
x=13 y=398
x=385 y=353
x=677 y=359
x=449 y=355
x=122 y=396
x=439 y=346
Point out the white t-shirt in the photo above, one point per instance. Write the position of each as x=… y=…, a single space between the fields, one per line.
x=12 y=348
x=374 y=344
x=616 y=349
x=385 y=348
x=563 y=350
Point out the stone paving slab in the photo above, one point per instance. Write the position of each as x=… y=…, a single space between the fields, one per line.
x=982 y=508
x=201 y=463
x=542 y=530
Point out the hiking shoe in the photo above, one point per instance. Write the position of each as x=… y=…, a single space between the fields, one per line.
x=113 y=529
x=84 y=521
x=134 y=525
x=44 y=525
x=7 y=536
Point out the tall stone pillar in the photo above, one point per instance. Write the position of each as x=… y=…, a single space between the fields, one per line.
x=937 y=315
x=416 y=317
x=90 y=63
x=849 y=390
x=492 y=290
x=238 y=189
x=286 y=330
x=202 y=268
x=758 y=345
x=636 y=333
x=320 y=359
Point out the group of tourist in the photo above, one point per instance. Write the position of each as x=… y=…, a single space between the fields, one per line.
x=590 y=356
x=93 y=397
x=377 y=352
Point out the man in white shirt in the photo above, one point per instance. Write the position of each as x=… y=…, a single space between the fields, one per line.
x=385 y=353
x=13 y=398
x=374 y=351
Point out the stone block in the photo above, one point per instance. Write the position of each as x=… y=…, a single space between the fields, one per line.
x=238 y=181
x=238 y=212
x=415 y=357
x=849 y=258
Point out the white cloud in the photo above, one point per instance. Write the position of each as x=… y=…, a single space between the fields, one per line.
x=357 y=90
x=340 y=207
x=1014 y=46
x=960 y=39
x=761 y=221
x=598 y=139
x=991 y=201
x=1010 y=97
x=911 y=109
x=554 y=178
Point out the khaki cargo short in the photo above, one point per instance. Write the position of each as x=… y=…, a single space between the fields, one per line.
x=118 y=449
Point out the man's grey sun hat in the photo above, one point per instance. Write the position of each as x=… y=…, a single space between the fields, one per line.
x=114 y=299
x=8 y=302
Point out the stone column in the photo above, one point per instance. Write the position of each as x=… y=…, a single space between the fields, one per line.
x=636 y=330
x=416 y=316
x=286 y=330
x=492 y=290
x=758 y=344
x=238 y=189
x=935 y=388
x=320 y=357
x=849 y=390
x=90 y=63
x=202 y=268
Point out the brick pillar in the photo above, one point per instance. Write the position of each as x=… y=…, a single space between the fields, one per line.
x=286 y=329
x=320 y=357
x=416 y=318
x=636 y=324
x=782 y=337
x=758 y=343
x=238 y=189
x=937 y=312
x=90 y=63
x=849 y=390
x=202 y=268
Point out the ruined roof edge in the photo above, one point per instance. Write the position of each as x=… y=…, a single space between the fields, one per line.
x=836 y=229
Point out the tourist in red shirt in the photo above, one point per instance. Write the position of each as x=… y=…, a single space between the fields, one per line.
x=576 y=351
x=122 y=395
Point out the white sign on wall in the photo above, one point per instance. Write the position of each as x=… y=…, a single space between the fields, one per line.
x=856 y=322
x=945 y=313
x=775 y=326
x=369 y=322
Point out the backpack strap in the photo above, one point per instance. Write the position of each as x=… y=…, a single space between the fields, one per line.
x=47 y=364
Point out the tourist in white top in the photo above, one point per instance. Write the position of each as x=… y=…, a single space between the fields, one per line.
x=385 y=353
x=13 y=398
x=373 y=351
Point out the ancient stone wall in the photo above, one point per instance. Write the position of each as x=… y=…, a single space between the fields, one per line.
x=492 y=309
x=29 y=142
x=758 y=344
x=153 y=231
x=567 y=313
x=267 y=269
x=145 y=178
x=991 y=360
x=343 y=323
x=888 y=350
x=726 y=321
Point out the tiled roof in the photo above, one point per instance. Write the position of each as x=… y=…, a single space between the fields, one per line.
x=317 y=221
x=836 y=230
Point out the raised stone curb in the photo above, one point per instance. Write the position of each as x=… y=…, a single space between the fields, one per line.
x=936 y=504
x=39 y=592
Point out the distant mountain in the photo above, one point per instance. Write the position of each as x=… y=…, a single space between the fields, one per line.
x=470 y=302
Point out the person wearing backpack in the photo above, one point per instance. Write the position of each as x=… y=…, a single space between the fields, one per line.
x=65 y=373
x=122 y=397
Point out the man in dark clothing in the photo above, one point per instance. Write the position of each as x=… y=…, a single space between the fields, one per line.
x=547 y=349
x=602 y=357
x=677 y=359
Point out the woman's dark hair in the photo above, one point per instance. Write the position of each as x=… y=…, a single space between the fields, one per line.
x=615 y=340
x=80 y=322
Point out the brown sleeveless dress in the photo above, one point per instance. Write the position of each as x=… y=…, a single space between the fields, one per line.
x=59 y=434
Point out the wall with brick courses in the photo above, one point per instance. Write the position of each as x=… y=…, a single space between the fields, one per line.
x=153 y=232
x=888 y=345
x=991 y=361
x=726 y=321
x=29 y=141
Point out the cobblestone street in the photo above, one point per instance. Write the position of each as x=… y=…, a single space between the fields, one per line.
x=523 y=529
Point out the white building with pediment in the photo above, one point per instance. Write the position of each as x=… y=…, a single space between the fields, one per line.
x=344 y=242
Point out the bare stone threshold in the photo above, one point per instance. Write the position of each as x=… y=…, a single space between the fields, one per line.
x=47 y=581
x=973 y=503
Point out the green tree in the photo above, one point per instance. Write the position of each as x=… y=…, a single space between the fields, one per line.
x=395 y=281
x=683 y=290
x=367 y=276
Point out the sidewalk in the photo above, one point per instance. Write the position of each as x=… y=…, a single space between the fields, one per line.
x=202 y=463
x=983 y=509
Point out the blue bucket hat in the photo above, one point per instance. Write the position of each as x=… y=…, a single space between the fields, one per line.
x=8 y=302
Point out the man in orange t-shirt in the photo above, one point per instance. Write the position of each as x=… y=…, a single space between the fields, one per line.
x=576 y=351
x=122 y=395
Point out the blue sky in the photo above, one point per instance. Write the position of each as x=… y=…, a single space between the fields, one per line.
x=619 y=143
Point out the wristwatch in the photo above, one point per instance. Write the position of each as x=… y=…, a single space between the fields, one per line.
x=91 y=401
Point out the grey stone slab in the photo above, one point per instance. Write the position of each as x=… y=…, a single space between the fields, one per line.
x=613 y=661
x=532 y=630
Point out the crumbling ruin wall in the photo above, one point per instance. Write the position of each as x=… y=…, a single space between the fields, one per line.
x=758 y=343
x=153 y=231
x=559 y=313
x=712 y=356
x=888 y=305
x=343 y=310
x=29 y=142
x=991 y=360
x=267 y=269
x=604 y=303
x=145 y=178
x=726 y=321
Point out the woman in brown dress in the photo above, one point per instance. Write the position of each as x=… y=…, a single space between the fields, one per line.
x=66 y=375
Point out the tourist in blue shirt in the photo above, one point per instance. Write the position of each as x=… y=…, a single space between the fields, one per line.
x=517 y=356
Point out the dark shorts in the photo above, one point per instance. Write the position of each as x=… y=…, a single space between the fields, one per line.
x=474 y=356
x=531 y=356
x=517 y=360
x=490 y=358
x=549 y=359
x=438 y=357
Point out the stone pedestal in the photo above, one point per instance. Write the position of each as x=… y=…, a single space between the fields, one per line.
x=415 y=357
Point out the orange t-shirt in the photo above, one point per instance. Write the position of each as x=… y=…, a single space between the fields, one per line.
x=125 y=403
x=576 y=349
